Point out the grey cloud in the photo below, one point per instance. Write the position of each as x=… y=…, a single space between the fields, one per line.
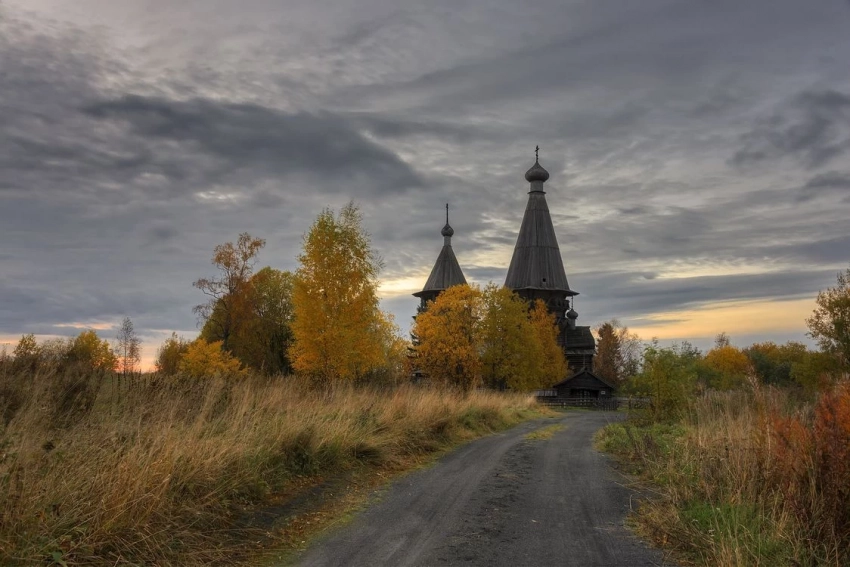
x=390 y=126
x=814 y=129
x=264 y=140
x=67 y=136
x=826 y=184
x=634 y=210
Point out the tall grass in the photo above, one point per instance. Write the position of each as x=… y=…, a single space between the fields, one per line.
x=747 y=478
x=153 y=475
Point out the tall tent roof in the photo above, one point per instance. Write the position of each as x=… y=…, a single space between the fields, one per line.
x=537 y=263
x=446 y=271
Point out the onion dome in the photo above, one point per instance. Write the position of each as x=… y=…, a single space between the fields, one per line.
x=447 y=231
x=536 y=173
x=572 y=314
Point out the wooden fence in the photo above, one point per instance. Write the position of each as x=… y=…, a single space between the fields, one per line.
x=606 y=404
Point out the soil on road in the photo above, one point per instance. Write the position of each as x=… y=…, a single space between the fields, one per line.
x=506 y=500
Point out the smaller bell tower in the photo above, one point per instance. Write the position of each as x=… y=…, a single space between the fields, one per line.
x=446 y=271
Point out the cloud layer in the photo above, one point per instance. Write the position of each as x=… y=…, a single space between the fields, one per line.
x=699 y=153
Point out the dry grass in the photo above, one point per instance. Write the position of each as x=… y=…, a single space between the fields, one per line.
x=156 y=474
x=737 y=485
x=545 y=433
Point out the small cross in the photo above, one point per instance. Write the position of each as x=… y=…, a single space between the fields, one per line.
x=447 y=213
x=536 y=153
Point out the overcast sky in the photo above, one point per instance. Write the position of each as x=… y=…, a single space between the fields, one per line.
x=699 y=151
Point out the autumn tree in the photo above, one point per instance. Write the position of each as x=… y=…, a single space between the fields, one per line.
x=394 y=351
x=169 y=354
x=816 y=371
x=773 y=363
x=128 y=348
x=89 y=352
x=618 y=353
x=668 y=379
x=449 y=338
x=225 y=308
x=336 y=327
x=728 y=367
x=263 y=334
x=203 y=359
x=553 y=366
x=26 y=355
x=608 y=362
x=829 y=325
x=511 y=354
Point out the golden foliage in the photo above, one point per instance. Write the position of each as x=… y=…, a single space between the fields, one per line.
x=449 y=334
x=512 y=353
x=467 y=336
x=553 y=363
x=169 y=354
x=203 y=359
x=728 y=367
x=394 y=352
x=89 y=351
x=338 y=331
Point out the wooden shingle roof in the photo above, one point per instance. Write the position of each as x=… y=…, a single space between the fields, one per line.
x=446 y=271
x=584 y=375
x=536 y=262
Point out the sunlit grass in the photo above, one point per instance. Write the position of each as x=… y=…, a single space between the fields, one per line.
x=156 y=473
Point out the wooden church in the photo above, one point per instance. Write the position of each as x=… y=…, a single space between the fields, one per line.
x=536 y=272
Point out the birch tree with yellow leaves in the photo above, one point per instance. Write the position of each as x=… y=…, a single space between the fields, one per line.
x=449 y=338
x=338 y=330
x=512 y=355
x=553 y=367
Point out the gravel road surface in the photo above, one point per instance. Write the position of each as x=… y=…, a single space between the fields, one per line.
x=505 y=500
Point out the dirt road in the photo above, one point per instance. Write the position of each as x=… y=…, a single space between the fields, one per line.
x=505 y=500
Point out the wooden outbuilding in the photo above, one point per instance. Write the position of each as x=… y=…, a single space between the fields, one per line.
x=584 y=384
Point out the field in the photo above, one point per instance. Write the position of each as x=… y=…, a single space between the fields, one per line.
x=163 y=470
x=746 y=478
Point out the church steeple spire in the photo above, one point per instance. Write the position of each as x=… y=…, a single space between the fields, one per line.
x=446 y=271
x=537 y=270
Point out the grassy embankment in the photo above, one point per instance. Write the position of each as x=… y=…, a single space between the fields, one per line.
x=166 y=472
x=746 y=478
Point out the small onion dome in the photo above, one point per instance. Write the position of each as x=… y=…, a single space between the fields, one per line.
x=572 y=314
x=536 y=173
x=447 y=230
